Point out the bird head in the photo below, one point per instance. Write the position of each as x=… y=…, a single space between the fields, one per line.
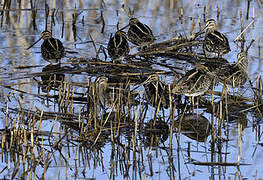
x=46 y=35
x=210 y=25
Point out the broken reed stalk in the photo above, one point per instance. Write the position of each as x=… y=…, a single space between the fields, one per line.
x=74 y=16
x=249 y=45
x=8 y=7
x=253 y=15
x=102 y=21
x=171 y=4
x=213 y=131
x=63 y=24
x=4 y=7
x=192 y=28
x=259 y=46
x=34 y=13
x=172 y=121
x=239 y=143
x=83 y=20
x=258 y=98
x=217 y=11
x=134 y=140
x=259 y=89
x=46 y=15
x=243 y=31
x=181 y=15
x=204 y=14
x=218 y=163
x=71 y=100
x=53 y=23
x=248 y=7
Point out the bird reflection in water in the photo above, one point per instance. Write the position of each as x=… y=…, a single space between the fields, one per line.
x=156 y=132
x=194 y=126
x=51 y=77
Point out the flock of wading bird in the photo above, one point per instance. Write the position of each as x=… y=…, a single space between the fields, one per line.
x=195 y=82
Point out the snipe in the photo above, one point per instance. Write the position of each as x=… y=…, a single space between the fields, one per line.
x=156 y=91
x=235 y=74
x=103 y=91
x=111 y=94
x=52 y=49
x=139 y=34
x=118 y=45
x=195 y=82
x=215 y=44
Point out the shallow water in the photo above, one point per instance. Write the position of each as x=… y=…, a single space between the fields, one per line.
x=127 y=155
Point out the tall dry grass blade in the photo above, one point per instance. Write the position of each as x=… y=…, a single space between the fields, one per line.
x=204 y=14
x=239 y=143
x=217 y=12
x=243 y=31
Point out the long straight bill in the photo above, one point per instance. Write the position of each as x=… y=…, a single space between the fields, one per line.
x=33 y=44
x=124 y=27
x=200 y=32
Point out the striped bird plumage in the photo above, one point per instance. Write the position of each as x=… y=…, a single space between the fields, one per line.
x=233 y=75
x=52 y=49
x=156 y=91
x=139 y=34
x=195 y=82
x=118 y=45
x=111 y=93
x=215 y=43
